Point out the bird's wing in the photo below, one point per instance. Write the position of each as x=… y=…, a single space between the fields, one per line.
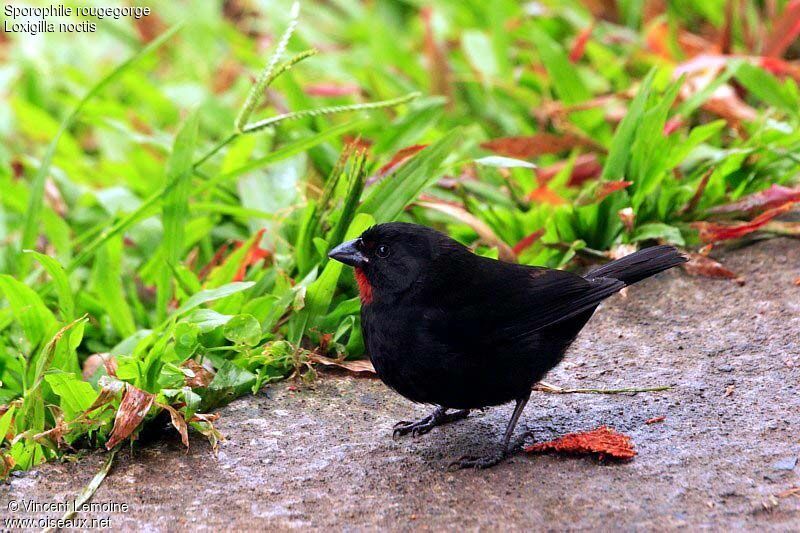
x=503 y=301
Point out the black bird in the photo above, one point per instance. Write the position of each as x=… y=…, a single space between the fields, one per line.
x=446 y=327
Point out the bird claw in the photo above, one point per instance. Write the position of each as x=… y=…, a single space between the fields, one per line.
x=424 y=425
x=486 y=461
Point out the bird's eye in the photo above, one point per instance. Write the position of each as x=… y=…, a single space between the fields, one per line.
x=382 y=251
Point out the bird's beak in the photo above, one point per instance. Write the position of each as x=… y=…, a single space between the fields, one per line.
x=348 y=254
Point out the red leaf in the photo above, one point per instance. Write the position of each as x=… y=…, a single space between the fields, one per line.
x=579 y=46
x=655 y=420
x=713 y=231
x=524 y=147
x=254 y=254
x=702 y=265
x=526 y=242
x=134 y=407
x=332 y=89
x=603 y=442
x=772 y=197
x=400 y=158
x=586 y=167
x=785 y=30
x=610 y=187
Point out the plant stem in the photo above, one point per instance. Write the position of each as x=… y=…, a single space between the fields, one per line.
x=543 y=386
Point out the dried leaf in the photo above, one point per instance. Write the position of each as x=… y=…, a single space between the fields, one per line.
x=485 y=233
x=527 y=146
x=205 y=425
x=655 y=420
x=775 y=196
x=134 y=407
x=702 y=265
x=358 y=366
x=178 y=422
x=226 y=75
x=94 y=361
x=202 y=376
x=628 y=217
x=713 y=231
x=603 y=442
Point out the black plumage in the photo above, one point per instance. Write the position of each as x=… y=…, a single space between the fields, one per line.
x=446 y=327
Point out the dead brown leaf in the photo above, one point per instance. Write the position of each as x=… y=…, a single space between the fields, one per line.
x=178 y=422
x=134 y=407
x=202 y=376
x=702 y=265
x=357 y=366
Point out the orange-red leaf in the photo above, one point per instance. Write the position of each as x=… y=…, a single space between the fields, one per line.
x=603 y=442
x=579 y=46
x=775 y=196
x=610 y=187
x=254 y=254
x=134 y=407
x=400 y=158
x=713 y=231
x=523 y=147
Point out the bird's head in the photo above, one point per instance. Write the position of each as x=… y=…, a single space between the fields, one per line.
x=390 y=259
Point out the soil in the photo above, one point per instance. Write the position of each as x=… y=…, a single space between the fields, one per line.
x=323 y=457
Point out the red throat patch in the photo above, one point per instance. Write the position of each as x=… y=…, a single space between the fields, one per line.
x=364 y=288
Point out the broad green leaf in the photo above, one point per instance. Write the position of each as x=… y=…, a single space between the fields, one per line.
x=66 y=302
x=243 y=329
x=107 y=279
x=28 y=309
x=209 y=295
x=76 y=395
x=658 y=230
x=176 y=209
x=386 y=200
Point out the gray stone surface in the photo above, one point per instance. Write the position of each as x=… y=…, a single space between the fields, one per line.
x=323 y=457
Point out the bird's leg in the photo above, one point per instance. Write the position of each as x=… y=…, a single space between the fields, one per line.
x=438 y=417
x=507 y=449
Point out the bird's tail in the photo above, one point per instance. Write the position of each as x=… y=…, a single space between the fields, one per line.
x=640 y=265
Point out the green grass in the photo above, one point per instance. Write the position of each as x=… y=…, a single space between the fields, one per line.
x=175 y=215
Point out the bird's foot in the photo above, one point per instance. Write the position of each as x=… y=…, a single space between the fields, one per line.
x=491 y=459
x=439 y=417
